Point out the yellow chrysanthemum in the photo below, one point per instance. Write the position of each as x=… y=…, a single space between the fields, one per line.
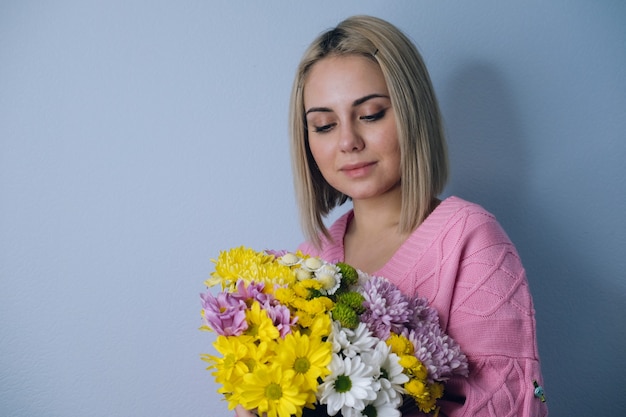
x=436 y=392
x=305 y=319
x=321 y=326
x=302 y=255
x=285 y=295
x=260 y=326
x=307 y=356
x=415 y=388
x=271 y=390
x=413 y=367
x=249 y=265
x=400 y=345
x=308 y=284
x=318 y=305
x=232 y=365
x=425 y=395
x=301 y=290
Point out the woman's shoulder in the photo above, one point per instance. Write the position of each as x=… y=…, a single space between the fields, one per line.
x=462 y=207
x=462 y=221
x=455 y=211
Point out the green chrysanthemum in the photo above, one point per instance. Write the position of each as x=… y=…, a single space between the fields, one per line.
x=345 y=315
x=352 y=299
x=349 y=275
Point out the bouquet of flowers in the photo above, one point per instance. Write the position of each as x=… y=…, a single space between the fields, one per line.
x=296 y=333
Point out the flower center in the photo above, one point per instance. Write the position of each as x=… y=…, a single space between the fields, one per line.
x=273 y=391
x=301 y=365
x=343 y=384
x=250 y=363
x=253 y=330
x=370 y=411
x=229 y=360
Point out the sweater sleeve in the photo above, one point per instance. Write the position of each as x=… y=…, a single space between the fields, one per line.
x=492 y=318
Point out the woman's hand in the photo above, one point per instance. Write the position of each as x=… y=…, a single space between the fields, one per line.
x=242 y=412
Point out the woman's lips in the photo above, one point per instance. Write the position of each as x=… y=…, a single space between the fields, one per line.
x=357 y=170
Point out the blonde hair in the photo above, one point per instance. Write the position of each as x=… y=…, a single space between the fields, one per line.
x=424 y=163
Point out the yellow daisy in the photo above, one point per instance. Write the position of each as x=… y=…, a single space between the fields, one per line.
x=307 y=356
x=260 y=326
x=271 y=390
x=230 y=368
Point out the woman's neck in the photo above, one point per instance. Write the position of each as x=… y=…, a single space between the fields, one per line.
x=373 y=236
x=374 y=218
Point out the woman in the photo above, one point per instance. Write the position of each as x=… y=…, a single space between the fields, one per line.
x=365 y=126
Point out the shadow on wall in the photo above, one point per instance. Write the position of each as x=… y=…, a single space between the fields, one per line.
x=578 y=316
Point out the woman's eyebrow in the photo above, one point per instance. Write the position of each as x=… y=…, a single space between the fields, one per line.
x=318 y=109
x=368 y=97
x=355 y=103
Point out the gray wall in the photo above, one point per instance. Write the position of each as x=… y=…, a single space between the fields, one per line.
x=138 y=138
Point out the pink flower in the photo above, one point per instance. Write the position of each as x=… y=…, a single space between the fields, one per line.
x=251 y=292
x=440 y=354
x=226 y=314
x=281 y=317
x=386 y=308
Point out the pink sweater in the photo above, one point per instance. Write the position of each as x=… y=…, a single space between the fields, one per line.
x=464 y=263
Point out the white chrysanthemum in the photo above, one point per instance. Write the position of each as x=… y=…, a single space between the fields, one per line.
x=289 y=259
x=339 y=337
x=351 y=342
x=361 y=340
x=384 y=409
x=377 y=408
x=391 y=376
x=312 y=264
x=363 y=277
x=329 y=276
x=350 y=384
x=302 y=274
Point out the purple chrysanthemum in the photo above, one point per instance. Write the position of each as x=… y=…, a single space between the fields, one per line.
x=281 y=317
x=225 y=313
x=252 y=291
x=423 y=315
x=275 y=252
x=386 y=308
x=440 y=354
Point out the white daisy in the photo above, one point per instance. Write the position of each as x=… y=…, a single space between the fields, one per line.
x=312 y=264
x=351 y=384
x=289 y=259
x=338 y=337
x=330 y=277
x=383 y=409
x=351 y=342
x=302 y=274
x=377 y=408
x=362 y=340
x=390 y=376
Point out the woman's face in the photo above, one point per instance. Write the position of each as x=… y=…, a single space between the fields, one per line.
x=352 y=127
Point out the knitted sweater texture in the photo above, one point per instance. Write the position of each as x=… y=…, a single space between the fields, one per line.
x=462 y=261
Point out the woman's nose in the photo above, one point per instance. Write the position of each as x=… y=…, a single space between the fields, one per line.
x=350 y=140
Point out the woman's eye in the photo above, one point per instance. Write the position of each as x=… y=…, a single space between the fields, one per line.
x=324 y=128
x=373 y=117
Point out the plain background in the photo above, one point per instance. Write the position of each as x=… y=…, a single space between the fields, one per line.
x=139 y=138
